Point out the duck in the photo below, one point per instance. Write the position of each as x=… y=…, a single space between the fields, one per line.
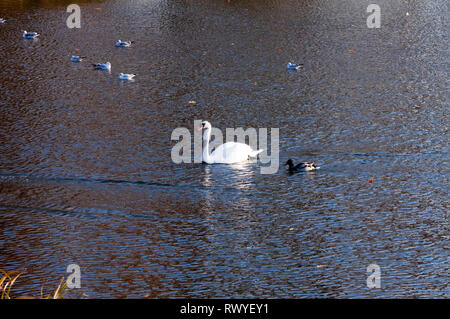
x=123 y=76
x=103 y=66
x=30 y=35
x=228 y=153
x=123 y=44
x=303 y=166
x=76 y=58
x=294 y=66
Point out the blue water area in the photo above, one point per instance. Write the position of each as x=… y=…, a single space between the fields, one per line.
x=86 y=174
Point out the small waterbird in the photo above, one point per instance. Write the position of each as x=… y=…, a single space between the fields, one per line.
x=303 y=166
x=294 y=66
x=30 y=35
x=2 y=20
x=123 y=76
x=103 y=66
x=123 y=44
x=76 y=58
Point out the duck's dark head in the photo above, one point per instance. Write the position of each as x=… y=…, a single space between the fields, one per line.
x=289 y=162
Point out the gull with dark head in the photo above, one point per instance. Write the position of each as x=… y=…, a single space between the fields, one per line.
x=103 y=66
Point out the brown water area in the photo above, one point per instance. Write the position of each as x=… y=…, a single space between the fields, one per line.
x=86 y=175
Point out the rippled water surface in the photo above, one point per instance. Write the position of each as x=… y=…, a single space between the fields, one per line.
x=86 y=175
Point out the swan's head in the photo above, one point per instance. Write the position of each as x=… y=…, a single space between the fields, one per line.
x=205 y=126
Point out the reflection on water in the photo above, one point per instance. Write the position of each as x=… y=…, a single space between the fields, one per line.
x=85 y=169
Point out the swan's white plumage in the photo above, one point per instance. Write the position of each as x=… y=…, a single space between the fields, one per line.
x=228 y=153
x=232 y=152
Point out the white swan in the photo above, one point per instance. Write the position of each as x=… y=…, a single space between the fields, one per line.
x=228 y=153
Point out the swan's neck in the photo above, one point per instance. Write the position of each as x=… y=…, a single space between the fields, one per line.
x=205 y=156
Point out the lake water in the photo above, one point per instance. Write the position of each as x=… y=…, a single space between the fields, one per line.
x=86 y=175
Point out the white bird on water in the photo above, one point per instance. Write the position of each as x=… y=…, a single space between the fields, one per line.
x=294 y=66
x=76 y=58
x=103 y=66
x=30 y=35
x=228 y=153
x=2 y=20
x=124 y=76
x=123 y=44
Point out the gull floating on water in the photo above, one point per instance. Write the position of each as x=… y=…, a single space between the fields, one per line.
x=30 y=35
x=123 y=76
x=294 y=66
x=125 y=44
x=76 y=58
x=103 y=66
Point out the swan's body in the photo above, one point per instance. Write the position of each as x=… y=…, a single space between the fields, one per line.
x=228 y=153
x=103 y=66
x=30 y=35
x=76 y=58
x=2 y=20
x=123 y=76
x=123 y=44
x=294 y=66
x=303 y=166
